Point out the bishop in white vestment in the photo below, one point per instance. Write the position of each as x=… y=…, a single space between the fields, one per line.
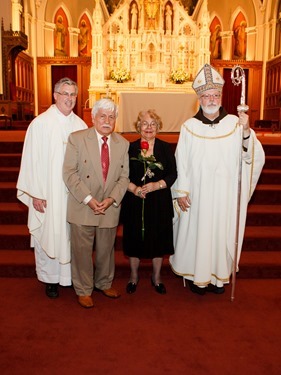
x=208 y=154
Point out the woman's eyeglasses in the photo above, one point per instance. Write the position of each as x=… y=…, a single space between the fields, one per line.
x=152 y=124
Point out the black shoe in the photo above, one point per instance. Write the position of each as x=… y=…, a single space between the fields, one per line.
x=131 y=287
x=160 y=288
x=215 y=289
x=52 y=290
x=195 y=289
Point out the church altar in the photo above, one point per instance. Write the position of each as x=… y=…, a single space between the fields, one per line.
x=173 y=107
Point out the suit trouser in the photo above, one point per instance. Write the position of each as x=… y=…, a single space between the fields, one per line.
x=84 y=274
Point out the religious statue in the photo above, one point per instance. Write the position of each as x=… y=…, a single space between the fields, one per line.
x=83 y=39
x=215 y=43
x=240 y=41
x=134 y=17
x=168 y=18
x=60 y=33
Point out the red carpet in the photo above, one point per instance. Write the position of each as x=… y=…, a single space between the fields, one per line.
x=145 y=333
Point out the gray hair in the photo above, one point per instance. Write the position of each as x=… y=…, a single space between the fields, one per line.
x=65 y=81
x=107 y=104
x=152 y=114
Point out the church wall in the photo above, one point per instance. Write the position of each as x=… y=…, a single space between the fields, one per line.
x=151 y=56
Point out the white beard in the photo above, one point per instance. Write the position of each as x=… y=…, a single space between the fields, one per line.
x=211 y=109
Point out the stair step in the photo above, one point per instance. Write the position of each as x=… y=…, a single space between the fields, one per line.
x=256 y=238
x=13 y=213
x=9 y=174
x=10 y=147
x=10 y=160
x=272 y=149
x=272 y=162
x=8 y=191
x=263 y=215
x=256 y=264
x=14 y=237
x=266 y=194
x=262 y=237
x=260 y=265
x=270 y=176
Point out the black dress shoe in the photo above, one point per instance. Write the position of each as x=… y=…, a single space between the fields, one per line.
x=160 y=288
x=215 y=289
x=52 y=290
x=195 y=289
x=131 y=287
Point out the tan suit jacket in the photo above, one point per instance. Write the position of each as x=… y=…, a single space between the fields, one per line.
x=82 y=174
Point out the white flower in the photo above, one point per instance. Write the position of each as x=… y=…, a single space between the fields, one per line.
x=120 y=74
x=179 y=75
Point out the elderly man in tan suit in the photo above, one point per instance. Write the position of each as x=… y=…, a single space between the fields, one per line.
x=96 y=169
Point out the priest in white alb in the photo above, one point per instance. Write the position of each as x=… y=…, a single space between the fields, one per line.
x=41 y=188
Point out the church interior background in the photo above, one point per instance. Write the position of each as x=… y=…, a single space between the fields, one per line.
x=141 y=53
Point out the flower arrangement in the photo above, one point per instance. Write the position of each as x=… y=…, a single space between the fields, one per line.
x=120 y=74
x=149 y=163
x=179 y=76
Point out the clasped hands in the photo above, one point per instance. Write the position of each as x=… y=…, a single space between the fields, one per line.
x=141 y=191
x=99 y=208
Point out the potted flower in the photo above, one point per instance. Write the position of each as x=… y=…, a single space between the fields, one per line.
x=120 y=74
x=179 y=76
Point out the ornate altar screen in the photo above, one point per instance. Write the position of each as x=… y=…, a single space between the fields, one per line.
x=173 y=108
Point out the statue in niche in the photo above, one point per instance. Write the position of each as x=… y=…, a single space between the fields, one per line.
x=215 y=43
x=60 y=33
x=151 y=57
x=240 y=41
x=168 y=18
x=134 y=16
x=83 y=39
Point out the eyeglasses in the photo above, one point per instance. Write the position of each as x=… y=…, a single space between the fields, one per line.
x=152 y=124
x=67 y=94
x=208 y=96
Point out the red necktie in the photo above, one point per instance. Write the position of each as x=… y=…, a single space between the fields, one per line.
x=104 y=158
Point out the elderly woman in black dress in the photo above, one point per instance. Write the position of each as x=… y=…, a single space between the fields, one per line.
x=147 y=209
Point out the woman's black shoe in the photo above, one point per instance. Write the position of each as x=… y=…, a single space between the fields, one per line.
x=131 y=287
x=160 y=288
x=52 y=290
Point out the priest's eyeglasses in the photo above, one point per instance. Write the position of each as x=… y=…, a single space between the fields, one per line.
x=208 y=96
x=71 y=95
x=152 y=124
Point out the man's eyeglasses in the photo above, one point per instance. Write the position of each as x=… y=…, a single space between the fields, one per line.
x=208 y=96
x=67 y=94
x=152 y=124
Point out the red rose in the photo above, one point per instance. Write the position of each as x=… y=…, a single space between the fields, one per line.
x=144 y=145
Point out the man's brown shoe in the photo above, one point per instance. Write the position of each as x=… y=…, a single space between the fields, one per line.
x=111 y=292
x=86 y=301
